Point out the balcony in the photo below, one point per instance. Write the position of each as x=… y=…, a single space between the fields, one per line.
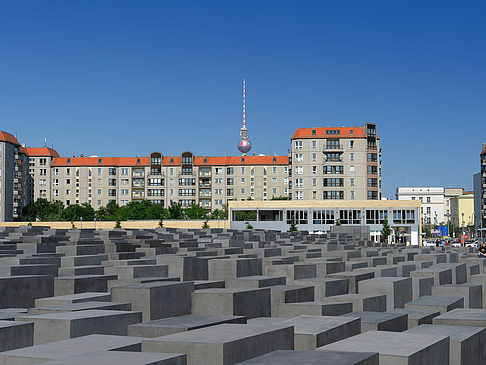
x=333 y=159
x=138 y=174
x=333 y=147
x=205 y=173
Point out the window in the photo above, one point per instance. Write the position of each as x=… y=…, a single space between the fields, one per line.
x=68 y=172
x=314 y=145
x=187 y=192
x=333 y=195
x=351 y=195
x=300 y=216
x=333 y=144
x=428 y=210
x=111 y=182
x=351 y=144
x=187 y=171
x=242 y=191
x=242 y=170
x=274 y=180
x=351 y=169
x=299 y=170
x=373 y=182
x=314 y=182
x=372 y=170
x=229 y=181
x=274 y=190
x=156 y=181
x=428 y=199
x=351 y=156
x=333 y=157
x=350 y=216
x=372 y=195
x=218 y=201
x=333 y=182
x=187 y=181
x=313 y=132
x=323 y=217
x=99 y=172
x=218 y=191
x=298 y=145
x=125 y=191
x=299 y=195
x=218 y=180
x=242 y=180
x=55 y=182
x=171 y=170
x=333 y=131
x=112 y=171
x=299 y=157
x=274 y=170
x=314 y=170
x=229 y=171
x=229 y=192
x=68 y=191
x=154 y=192
x=333 y=170
x=218 y=171
x=299 y=183
x=286 y=180
x=372 y=157
x=124 y=181
x=42 y=161
x=56 y=172
x=351 y=181
x=112 y=192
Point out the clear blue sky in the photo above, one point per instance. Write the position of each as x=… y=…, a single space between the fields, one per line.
x=124 y=78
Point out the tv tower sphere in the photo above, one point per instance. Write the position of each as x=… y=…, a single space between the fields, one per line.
x=244 y=145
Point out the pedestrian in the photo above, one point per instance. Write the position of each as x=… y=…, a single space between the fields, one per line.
x=482 y=250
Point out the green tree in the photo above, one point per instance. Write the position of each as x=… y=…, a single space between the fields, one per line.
x=101 y=214
x=194 y=211
x=293 y=225
x=111 y=207
x=248 y=225
x=205 y=225
x=338 y=222
x=280 y=198
x=118 y=223
x=176 y=211
x=386 y=230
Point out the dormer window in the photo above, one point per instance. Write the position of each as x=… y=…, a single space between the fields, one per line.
x=138 y=161
x=172 y=161
x=99 y=160
x=275 y=160
x=68 y=160
x=242 y=160
x=205 y=161
x=313 y=132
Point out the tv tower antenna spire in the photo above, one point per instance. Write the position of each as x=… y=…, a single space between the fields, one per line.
x=244 y=144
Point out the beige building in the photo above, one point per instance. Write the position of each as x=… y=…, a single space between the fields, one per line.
x=336 y=163
x=325 y=164
x=462 y=210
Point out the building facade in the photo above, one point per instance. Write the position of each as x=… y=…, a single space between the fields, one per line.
x=324 y=164
x=449 y=194
x=480 y=194
x=462 y=210
x=402 y=216
x=432 y=199
x=336 y=164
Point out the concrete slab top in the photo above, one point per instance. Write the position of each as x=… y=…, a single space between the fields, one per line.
x=222 y=333
x=456 y=333
x=74 y=346
x=415 y=313
x=6 y=324
x=227 y=290
x=464 y=314
x=435 y=300
x=79 y=306
x=189 y=321
x=287 y=357
x=115 y=358
x=386 y=343
x=75 y=315
x=316 y=324
x=372 y=317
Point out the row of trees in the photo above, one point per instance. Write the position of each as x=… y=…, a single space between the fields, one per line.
x=44 y=210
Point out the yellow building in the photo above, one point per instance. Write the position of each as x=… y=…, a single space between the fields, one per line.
x=462 y=209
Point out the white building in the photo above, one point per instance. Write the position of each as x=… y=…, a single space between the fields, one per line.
x=433 y=202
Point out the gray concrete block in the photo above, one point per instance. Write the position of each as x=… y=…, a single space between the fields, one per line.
x=466 y=343
x=167 y=326
x=422 y=286
x=398 y=291
x=397 y=347
x=65 y=285
x=75 y=307
x=353 y=278
x=381 y=321
x=472 y=293
x=157 y=299
x=316 y=308
x=61 y=326
x=283 y=357
x=442 y=304
x=15 y=335
x=224 y=344
x=292 y=272
x=224 y=269
x=22 y=291
x=73 y=298
x=69 y=348
x=251 y=303
x=440 y=275
x=459 y=272
x=417 y=317
x=282 y=294
x=122 y=358
x=362 y=302
x=255 y=281
x=325 y=287
x=462 y=317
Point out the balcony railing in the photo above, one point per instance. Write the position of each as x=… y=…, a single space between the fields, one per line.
x=333 y=147
x=205 y=173
x=138 y=174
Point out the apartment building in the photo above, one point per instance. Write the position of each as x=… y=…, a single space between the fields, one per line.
x=186 y=179
x=336 y=164
x=14 y=178
x=324 y=164
x=462 y=209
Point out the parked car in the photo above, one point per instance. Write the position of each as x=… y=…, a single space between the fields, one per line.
x=428 y=243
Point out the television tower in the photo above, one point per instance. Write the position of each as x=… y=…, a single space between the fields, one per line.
x=244 y=145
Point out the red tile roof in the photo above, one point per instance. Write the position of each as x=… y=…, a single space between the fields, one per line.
x=176 y=161
x=7 y=137
x=41 y=151
x=105 y=161
x=344 y=132
x=241 y=160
